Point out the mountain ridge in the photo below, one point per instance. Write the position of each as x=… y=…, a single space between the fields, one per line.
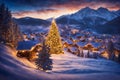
x=111 y=27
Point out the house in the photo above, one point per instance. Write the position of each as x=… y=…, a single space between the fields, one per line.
x=2 y=40
x=81 y=44
x=85 y=53
x=25 y=45
x=73 y=50
x=67 y=43
x=117 y=49
x=104 y=54
x=96 y=46
x=28 y=49
x=89 y=49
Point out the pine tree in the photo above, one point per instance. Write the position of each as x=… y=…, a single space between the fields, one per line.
x=119 y=57
x=88 y=54
x=43 y=61
x=110 y=49
x=82 y=54
x=53 y=39
x=9 y=31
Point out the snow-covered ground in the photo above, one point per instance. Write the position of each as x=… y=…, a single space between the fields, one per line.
x=70 y=64
x=65 y=67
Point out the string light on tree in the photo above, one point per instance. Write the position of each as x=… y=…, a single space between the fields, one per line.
x=53 y=39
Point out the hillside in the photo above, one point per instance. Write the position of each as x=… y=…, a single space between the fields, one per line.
x=31 y=21
x=111 y=27
x=65 y=66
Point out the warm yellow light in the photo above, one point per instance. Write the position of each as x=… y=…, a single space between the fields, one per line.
x=105 y=54
x=53 y=39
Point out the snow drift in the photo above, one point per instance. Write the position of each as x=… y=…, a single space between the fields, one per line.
x=65 y=67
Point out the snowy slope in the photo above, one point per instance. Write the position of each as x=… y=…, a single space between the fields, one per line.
x=12 y=69
x=65 y=67
x=69 y=63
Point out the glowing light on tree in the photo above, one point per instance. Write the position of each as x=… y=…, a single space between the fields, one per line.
x=53 y=39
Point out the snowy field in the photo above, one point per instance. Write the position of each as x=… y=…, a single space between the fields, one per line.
x=65 y=67
x=70 y=64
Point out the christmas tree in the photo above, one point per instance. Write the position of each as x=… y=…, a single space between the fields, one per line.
x=43 y=61
x=53 y=39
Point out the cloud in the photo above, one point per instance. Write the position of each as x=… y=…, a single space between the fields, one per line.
x=49 y=8
x=49 y=3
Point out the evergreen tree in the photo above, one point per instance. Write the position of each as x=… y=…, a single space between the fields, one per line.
x=9 y=31
x=119 y=57
x=88 y=54
x=53 y=39
x=110 y=49
x=78 y=53
x=43 y=61
x=82 y=54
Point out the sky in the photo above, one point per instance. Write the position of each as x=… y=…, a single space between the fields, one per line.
x=45 y=9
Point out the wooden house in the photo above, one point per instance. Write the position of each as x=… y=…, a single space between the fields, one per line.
x=28 y=49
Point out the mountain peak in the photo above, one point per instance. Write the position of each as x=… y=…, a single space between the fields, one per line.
x=102 y=9
x=86 y=8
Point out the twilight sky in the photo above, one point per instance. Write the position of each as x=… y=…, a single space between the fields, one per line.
x=54 y=8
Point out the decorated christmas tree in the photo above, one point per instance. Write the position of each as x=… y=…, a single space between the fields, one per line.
x=53 y=39
x=43 y=61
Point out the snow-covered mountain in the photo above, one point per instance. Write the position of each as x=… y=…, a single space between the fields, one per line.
x=84 y=16
x=89 y=17
x=83 y=19
x=106 y=14
x=88 y=12
x=117 y=12
x=29 y=24
x=31 y=21
x=111 y=27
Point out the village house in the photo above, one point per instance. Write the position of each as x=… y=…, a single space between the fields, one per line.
x=67 y=43
x=104 y=54
x=117 y=52
x=28 y=49
x=89 y=49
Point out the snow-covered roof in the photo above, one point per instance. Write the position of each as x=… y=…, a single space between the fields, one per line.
x=73 y=49
x=68 y=41
x=82 y=38
x=26 y=45
x=95 y=45
x=73 y=37
x=81 y=44
x=79 y=34
x=117 y=46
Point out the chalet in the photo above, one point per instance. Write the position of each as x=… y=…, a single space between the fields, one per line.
x=67 y=43
x=96 y=46
x=105 y=55
x=28 y=49
x=81 y=44
x=83 y=39
x=88 y=46
x=117 y=49
x=85 y=53
x=25 y=45
x=73 y=50
x=74 y=31
x=89 y=49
